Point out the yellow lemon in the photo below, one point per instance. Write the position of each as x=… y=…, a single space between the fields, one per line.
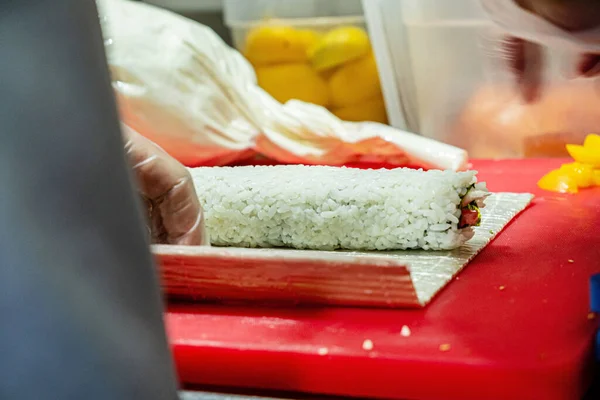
x=339 y=46
x=371 y=110
x=327 y=73
x=272 y=44
x=293 y=81
x=308 y=38
x=355 y=82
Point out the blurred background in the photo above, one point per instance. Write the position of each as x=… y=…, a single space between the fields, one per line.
x=428 y=66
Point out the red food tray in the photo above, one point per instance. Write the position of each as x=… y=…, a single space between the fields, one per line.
x=513 y=325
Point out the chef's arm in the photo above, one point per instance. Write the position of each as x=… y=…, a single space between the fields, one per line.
x=525 y=57
x=80 y=305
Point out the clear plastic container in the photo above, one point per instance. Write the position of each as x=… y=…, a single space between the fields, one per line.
x=329 y=73
x=443 y=77
x=188 y=5
x=243 y=15
x=240 y=29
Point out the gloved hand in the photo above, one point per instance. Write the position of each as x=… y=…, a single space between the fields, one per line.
x=174 y=212
x=533 y=23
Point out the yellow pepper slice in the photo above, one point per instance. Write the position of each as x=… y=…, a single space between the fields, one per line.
x=558 y=181
x=584 y=155
x=592 y=142
x=582 y=173
x=596 y=177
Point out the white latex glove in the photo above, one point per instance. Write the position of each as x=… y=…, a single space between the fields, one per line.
x=174 y=211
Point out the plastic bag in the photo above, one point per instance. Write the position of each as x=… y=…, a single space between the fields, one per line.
x=177 y=84
x=180 y=85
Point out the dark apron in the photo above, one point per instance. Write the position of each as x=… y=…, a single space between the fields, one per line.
x=80 y=309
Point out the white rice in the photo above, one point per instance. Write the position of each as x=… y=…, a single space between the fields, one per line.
x=327 y=208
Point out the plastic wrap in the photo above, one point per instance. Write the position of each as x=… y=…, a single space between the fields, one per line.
x=178 y=84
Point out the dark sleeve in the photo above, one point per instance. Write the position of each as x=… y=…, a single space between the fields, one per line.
x=80 y=307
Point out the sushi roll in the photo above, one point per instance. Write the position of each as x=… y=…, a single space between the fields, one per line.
x=329 y=208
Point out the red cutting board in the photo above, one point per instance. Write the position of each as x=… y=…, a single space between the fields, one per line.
x=514 y=324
